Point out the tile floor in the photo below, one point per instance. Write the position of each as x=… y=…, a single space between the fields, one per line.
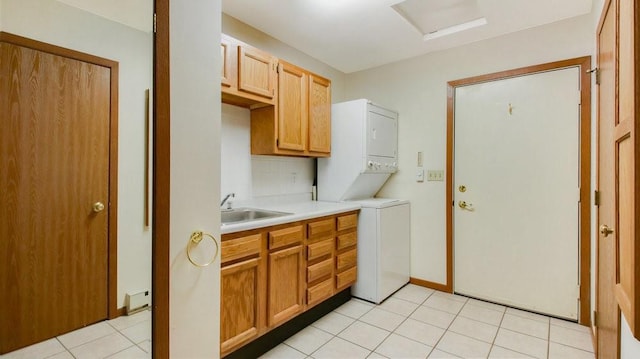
x=421 y=323
x=414 y=323
x=126 y=337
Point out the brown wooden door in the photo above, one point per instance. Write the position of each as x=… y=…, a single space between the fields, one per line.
x=292 y=107
x=608 y=314
x=54 y=165
x=319 y=115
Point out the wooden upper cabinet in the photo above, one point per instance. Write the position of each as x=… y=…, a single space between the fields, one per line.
x=248 y=75
x=292 y=107
x=300 y=123
x=319 y=115
x=225 y=54
x=256 y=72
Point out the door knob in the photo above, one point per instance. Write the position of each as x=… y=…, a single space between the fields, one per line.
x=605 y=230
x=98 y=207
x=465 y=205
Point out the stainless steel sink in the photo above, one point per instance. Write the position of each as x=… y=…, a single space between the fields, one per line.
x=238 y=215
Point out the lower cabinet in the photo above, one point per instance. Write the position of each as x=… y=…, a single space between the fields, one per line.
x=239 y=304
x=270 y=275
x=286 y=268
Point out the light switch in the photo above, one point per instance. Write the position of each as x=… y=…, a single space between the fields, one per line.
x=420 y=174
x=435 y=175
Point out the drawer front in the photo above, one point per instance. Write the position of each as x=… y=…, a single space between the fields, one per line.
x=286 y=236
x=320 y=292
x=240 y=247
x=319 y=228
x=346 y=278
x=320 y=249
x=347 y=240
x=346 y=260
x=348 y=221
x=319 y=270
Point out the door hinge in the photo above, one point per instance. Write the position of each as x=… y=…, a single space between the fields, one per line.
x=595 y=318
x=155 y=23
x=277 y=142
x=596 y=198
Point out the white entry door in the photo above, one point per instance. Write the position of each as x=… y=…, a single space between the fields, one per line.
x=516 y=158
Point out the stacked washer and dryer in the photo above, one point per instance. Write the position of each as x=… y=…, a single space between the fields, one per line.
x=364 y=154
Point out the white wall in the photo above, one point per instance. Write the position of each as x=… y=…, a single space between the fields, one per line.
x=59 y=24
x=417 y=89
x=195 y=177
x=257 y=178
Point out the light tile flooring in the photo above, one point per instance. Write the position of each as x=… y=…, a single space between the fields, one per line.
x=414 y=323
x=126 y=337
x=421 y=323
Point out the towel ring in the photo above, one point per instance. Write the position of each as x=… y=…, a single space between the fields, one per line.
x=194 y=240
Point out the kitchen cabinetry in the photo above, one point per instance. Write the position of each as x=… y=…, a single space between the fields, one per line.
x=272 y=274
x=242 y=288
x=248 y=76
x=286 y=274
x=300 y=123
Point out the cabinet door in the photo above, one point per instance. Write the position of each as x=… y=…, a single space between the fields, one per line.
x=225 y=54
x=256 y=72
x=319 y=114
x=286 y=278
x=239 y=304
x=292 y=107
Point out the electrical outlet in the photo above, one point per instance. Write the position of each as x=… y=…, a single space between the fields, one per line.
x=435 y=175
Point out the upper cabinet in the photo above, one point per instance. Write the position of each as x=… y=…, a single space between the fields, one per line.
x=290 y=106
x=248 y=75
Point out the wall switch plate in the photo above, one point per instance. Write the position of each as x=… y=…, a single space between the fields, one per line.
x=420 y=174
x=435 y=175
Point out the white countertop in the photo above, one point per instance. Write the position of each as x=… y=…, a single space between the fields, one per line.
x=299 y=211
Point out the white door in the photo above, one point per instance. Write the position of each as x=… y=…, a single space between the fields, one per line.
x=516 y=154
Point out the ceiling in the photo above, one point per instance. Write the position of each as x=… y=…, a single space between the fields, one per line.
x=353 y=35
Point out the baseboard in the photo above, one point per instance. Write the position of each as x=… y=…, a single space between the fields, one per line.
x=432 y=285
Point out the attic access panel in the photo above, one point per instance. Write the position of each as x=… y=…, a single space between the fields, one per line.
x=433 y=15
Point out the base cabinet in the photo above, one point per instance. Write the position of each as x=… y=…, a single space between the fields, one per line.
x=273 y=274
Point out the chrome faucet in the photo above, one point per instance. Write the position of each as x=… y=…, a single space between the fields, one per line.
x=226 y=198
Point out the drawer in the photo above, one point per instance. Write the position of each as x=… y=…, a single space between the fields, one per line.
x=237 y=248
x=286 y=236
x=347 y=240
x=319 y=270
x=320 y=292
x=319 y=249
x=346 y=260
x=348 y=221
x=346 y=278
x=318 y=228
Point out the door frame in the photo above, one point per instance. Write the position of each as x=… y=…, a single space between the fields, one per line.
x=112 y=213
x=584 y=252
x=161 y=183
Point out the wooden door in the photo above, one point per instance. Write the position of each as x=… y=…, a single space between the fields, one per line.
x=256 y=72
x=54 y=165
x=240 y=303
x=285 y=282
x=319 y=115
x=516 y=168
x=607 y=321
x=292 y=107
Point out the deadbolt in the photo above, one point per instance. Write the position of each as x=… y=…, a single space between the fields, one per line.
x=98 y=207
x=462 y=188
x=605 y=230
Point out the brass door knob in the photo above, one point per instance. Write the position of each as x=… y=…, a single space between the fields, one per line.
x=605 y=230
x=98 y=207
